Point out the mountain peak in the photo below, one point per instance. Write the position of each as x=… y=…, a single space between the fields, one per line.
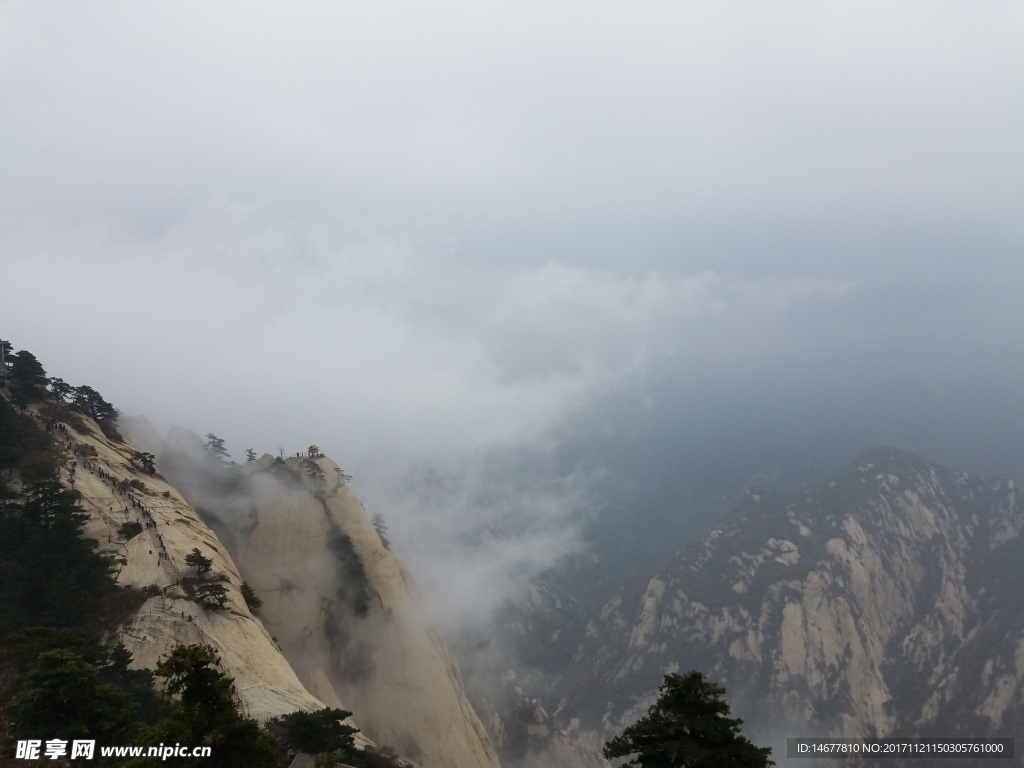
x=849 y=611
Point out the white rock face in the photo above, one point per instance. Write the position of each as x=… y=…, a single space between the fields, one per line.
x=346 y=613
x=870 y=608
x=342 y=606
x=265 y=682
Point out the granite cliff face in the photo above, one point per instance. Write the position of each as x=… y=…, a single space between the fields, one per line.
x=115 y=491
x=342 y=607
x=347 y=614
x=887 y=602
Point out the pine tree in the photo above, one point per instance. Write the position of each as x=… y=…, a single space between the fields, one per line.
x=27 y=377
x=313 y=471
x=52 y=575
x=146 y=460
x=212 y=595
x=63 y=690
x=196 y=559
x=688 y=727
x=91 y=403
x=206 y=713
x=381 y=527
x=215 y=448
x=61 y=389
x=252 y=600
x=321 y=731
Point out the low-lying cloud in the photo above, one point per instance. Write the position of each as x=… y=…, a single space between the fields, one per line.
x=551 y=242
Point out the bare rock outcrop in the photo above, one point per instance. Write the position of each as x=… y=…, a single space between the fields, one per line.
x=345 y=610
x=879 y=605
x=114 y=491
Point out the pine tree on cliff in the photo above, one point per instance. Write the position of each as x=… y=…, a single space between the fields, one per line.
x=27 y=378
x=215 y=448
x=252 y=600
x=381 y=528
x=212 y=596
x=61 y=389
x=206 y=713
x=196 y=559
x=688 y=727
x=91 y=403
x=146 y=460
x=321 y=731
x=313 y=471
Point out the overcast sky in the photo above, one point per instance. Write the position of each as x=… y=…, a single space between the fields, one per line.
x=426 y=233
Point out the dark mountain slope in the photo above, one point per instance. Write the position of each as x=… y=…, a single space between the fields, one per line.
x=888 y=601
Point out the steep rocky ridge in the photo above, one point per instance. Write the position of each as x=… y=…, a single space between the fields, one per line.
x=886 y=602
x=347 y=613
x=154 y=559
x=341 y=605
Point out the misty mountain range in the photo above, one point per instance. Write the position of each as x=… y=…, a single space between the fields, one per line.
x=558 y=290
x=879 y=602
x=882 y=602
x=875 y=604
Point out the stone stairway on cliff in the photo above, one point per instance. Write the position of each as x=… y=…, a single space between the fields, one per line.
x=188 y=633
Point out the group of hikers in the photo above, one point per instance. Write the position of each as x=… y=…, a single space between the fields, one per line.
x=56 y=426
x=119 y=487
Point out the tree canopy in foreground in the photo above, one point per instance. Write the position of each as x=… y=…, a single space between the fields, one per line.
x=688 y=727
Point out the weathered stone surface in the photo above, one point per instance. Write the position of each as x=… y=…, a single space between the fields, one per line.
x=347 y=613
x=155 y=559
x=341 y=605
x=878 y=605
